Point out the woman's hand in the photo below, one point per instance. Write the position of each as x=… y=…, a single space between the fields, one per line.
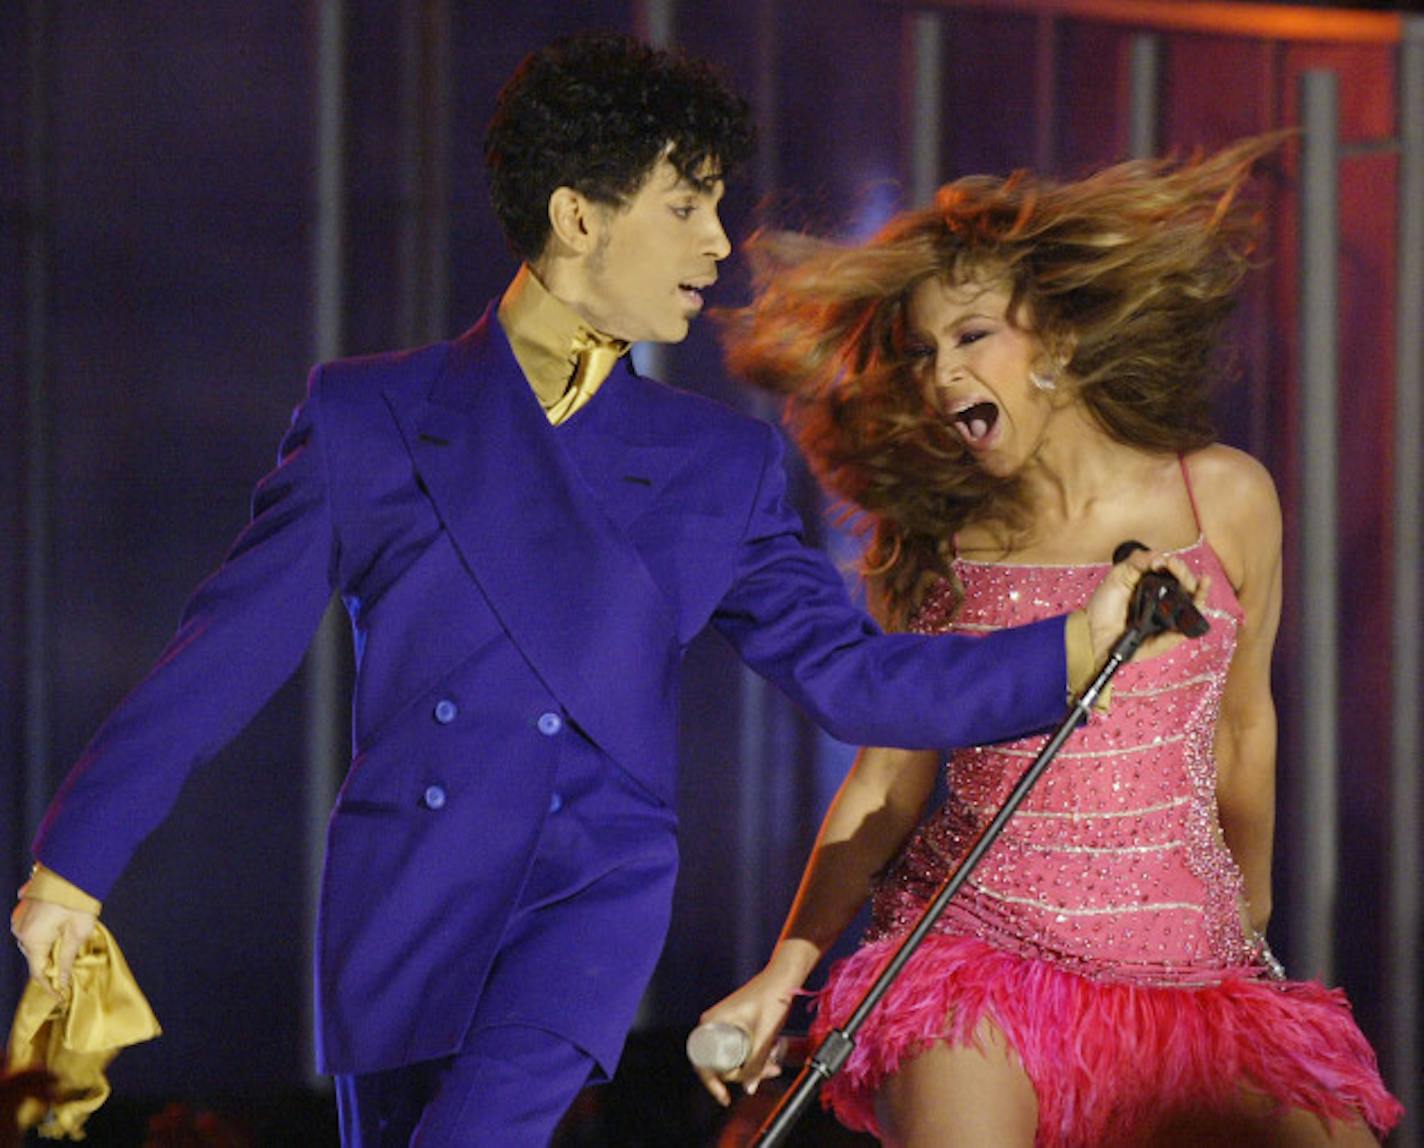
x=759 y=1009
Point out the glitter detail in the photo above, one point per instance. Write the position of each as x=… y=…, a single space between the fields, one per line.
x=1062 y=913
x=1104 y=932
x=989 y=810
x=1156 y=740
x=1114 y=868
x=1106 y=849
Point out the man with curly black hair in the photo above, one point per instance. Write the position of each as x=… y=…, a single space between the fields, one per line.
x=527 y=535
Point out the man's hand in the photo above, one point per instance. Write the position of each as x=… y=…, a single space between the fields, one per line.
x=1112 y=600
x=39 y=925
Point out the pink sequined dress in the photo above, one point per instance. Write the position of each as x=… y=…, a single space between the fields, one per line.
x=1103 y=932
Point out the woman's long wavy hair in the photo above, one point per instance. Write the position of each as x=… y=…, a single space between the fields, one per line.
x=1130 y=272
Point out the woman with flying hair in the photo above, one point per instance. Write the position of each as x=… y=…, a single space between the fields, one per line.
x=1008 y=384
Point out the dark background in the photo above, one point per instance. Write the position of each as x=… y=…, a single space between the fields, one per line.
x=159 y=227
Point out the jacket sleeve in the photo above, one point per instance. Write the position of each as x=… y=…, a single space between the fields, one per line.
x=789 y=616
x=241 y=635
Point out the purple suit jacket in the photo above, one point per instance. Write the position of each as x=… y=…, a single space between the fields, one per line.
x=492 y=582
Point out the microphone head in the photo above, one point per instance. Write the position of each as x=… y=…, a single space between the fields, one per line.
x=1160 y=603
x=1123 y=549
x=719 y=1047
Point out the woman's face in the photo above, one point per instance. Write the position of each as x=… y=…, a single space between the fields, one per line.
x=975 y=365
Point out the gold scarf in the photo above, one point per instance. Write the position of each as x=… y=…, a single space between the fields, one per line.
x=564 y=359
x=73 y=1034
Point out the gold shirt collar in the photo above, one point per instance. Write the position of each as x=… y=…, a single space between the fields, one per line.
x=547 y=337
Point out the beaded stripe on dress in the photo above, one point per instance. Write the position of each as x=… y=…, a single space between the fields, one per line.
x=1114 y=867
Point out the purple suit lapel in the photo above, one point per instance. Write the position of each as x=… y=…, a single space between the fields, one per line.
x=566 y=584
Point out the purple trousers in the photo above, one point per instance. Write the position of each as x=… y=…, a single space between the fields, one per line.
x=509 y=1087
x=572 y=966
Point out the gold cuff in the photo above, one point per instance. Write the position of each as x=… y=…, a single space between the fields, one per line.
x=47 y=885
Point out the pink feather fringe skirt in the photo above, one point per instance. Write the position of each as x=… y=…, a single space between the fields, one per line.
x=1106 y=1057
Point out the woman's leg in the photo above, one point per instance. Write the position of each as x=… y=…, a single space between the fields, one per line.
x=1257 y=1123
x=961 y=1096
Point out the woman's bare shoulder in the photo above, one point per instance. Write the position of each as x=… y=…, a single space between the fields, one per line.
x=1233 y=487
x=1240 y=511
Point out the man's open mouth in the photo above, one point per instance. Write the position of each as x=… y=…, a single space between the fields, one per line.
x=694 y=288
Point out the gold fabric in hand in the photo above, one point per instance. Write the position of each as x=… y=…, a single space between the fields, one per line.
x=75 y=1034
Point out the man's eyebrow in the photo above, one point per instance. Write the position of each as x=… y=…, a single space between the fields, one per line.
x=706 y=183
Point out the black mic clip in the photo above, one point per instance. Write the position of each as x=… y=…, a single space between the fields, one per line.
x=1159 y=603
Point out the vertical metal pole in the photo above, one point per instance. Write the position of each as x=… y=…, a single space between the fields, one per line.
x=655 y=22
x=1315 y=863
x=1403 y=970
x=755 y=705
x=37 y=254
x=425 y=170
x=1143 y=79
x=324 y=726
x=768 y=50
x=926 y=34
x=1045 y=96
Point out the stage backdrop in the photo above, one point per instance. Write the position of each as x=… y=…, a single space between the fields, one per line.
x=201 y=202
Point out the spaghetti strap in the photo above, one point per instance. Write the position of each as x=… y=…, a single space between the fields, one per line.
x=1191 y=497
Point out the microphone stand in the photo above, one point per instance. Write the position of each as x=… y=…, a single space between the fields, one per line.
x=827 y=1060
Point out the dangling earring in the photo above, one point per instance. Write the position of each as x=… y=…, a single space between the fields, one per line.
x=1047 y=380
x=1043 y=382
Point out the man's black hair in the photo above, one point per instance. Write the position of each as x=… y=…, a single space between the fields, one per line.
x=594 y=112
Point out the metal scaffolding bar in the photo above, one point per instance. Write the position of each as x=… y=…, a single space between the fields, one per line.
x=1403 y=970
x=1144 y=83
x=1284 y=22
x=38 y=166
x=1315 y=863
x=324 y=724
x=424 y=236
x=1045 y=94
x=926 y=35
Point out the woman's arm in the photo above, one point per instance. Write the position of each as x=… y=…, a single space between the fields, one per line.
x=877 y=806
x=1241 y=514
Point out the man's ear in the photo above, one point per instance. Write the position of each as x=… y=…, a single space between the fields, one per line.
x=573 y=221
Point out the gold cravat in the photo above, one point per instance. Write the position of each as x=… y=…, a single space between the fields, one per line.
x=594 y=356
x=563 y=358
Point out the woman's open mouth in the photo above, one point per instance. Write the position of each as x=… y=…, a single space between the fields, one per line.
x=976 y=422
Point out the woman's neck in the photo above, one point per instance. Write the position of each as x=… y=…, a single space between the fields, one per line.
x=1083 y=492
x=1077 y=465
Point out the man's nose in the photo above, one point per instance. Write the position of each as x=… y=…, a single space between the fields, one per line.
x=718 y=246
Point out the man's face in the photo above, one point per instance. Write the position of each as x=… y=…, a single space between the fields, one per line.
x=654 y=256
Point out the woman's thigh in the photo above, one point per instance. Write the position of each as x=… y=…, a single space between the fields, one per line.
x=965 y=1096
x=1257 y=1122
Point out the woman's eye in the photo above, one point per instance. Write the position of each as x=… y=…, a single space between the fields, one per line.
x=683 y=212
x=971 y=336
x=919 y=352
